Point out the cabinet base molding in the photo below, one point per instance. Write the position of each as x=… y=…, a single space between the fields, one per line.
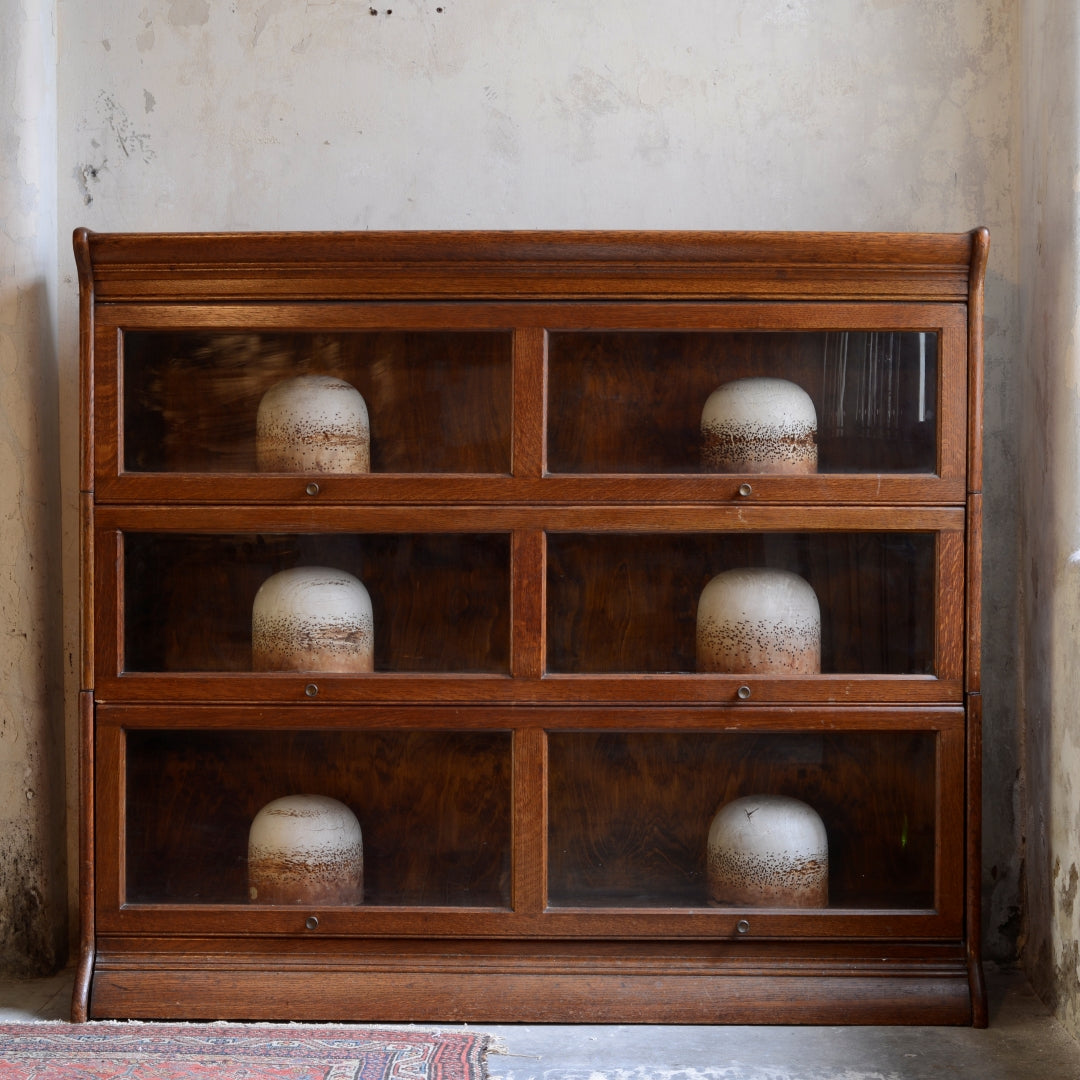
x=479 y=988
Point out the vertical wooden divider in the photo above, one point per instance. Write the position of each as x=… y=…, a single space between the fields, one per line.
x=972 y=680
x=949 y=611
x=528 y=568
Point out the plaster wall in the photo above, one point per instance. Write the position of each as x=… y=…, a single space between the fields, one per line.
x=1050 y=514
x=710 y=114
x=32 y=873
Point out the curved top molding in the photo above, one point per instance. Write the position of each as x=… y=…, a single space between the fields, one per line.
x=517 y=265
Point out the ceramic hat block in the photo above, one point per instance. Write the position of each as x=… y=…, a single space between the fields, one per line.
x=759 y=425
x=759 y=620
x=313 y=423
x=312 y=618
x=305 y=849
x=768 y=851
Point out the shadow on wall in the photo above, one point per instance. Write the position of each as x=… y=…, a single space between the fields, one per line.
x=1050 y=574
x=33 y=873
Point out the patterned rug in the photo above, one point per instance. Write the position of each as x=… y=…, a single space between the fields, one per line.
x=107 y=1051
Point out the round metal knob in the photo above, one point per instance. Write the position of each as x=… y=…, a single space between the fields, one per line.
x=745 y=489
x=311 y=922
x=312 y=488
x=743 y=692
x=742 y=926
x=311 y=689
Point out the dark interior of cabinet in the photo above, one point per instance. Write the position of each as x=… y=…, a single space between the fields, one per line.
x=441 y=601
x=632 y=402
x=630 y=812
x=434 y=809
x=436 y=401
x=627 y=602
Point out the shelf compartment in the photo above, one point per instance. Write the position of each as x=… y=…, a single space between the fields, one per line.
x=629 y=812
x=441 y=602
x=631 y=402
x=627 y=602
x=434 y=808
x=438 y=402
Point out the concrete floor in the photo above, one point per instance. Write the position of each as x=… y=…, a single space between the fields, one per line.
x=1023 y=1042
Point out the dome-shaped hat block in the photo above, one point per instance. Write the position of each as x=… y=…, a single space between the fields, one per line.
x=768 y=851
x=305 y=849
x=312 y=618
x=759 y=425
x=313 y=424
x=759 y=620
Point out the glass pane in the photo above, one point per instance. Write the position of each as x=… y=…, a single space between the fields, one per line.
x=634 y=402
x=630 y=813
x=627 y=602
x=433 y=811
x=438 y=602
x=435 y=402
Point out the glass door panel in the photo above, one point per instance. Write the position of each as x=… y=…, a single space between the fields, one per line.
x=434 y=402
x=438 y=602
x=639 y=402
x=637 y=602
x=630 y=814
x=433 y=811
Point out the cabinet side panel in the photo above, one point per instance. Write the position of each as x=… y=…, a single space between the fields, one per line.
x=980 y=250
x=80 y=998
x=973 y=675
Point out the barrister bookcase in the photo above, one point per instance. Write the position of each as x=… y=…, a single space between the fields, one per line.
x=536 y=755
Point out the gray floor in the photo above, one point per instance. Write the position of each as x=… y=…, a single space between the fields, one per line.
x=1023 y=1041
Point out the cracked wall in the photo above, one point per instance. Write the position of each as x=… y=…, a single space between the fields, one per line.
x=33 y=894
x=857 y=114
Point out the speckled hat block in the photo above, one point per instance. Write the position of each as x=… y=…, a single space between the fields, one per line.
x=759 y=620
x=759 y=425
x=768 y=851
x=305 y=849
x=313 y=424
x=312 y=618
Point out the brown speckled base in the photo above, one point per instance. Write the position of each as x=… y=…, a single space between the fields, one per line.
x=739 y=879
x=333 y=878
x=314 y=451
x=745 y=647
x=752 y=448
x=284 y=644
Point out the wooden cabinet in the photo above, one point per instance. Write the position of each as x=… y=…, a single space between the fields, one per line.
x=537 y=754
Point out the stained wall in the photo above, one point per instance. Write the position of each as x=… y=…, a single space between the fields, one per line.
x=33 y=912
x=1050 y=512
x=710 y=114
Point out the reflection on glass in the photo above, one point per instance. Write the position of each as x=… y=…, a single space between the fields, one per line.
x=434 y=808
x=440 y=602
x=436 y=401
x=630 y=812
x=625 y=401
x=628 y=602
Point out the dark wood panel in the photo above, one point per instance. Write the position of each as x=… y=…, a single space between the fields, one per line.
x=528 y=265
x=579 y=995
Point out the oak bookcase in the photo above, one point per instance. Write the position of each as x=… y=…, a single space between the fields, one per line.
x=534 y=760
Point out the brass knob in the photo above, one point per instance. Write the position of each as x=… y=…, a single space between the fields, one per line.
x=743 y=692
x=742 y=926
x=745 y=489
x=311 y=922
x=311 y=689
x=312 y=488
